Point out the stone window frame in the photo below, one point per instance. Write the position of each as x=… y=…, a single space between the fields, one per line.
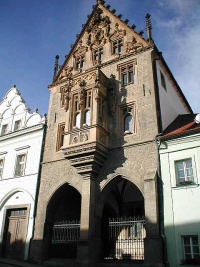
x=126 y=110
x=127 y=70
x=97 y=54
x=81 y=109
x=60 y=135
x=117 y=46
x=80 y=61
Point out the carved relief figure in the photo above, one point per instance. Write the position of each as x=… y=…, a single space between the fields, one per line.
x=112 y=95
x=133 y=45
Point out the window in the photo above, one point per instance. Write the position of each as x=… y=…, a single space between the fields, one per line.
x=20 y=165
x=117 y=46
x=60 y=136
x=98 y=54
x=4 y=129
x=128 y=122
x=184 y=171
x=80 y=60
x=190 y=248
x=162 y=77
x=82 y=104
x=17 y=125
x=78 y=120
x=127 y=74
x=87 y=118
x=1 y=168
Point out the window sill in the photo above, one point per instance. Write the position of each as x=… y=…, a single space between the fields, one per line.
x=177 y=187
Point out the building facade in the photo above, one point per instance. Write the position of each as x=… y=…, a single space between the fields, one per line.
x=98 y=198
x=21 y=142
x=179 y=150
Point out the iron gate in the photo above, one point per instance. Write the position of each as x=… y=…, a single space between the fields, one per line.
x=66 y=232
x=126 y=237
x=65 y=236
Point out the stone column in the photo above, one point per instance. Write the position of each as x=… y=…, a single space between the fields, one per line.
x=152 y=242
x=87 y=245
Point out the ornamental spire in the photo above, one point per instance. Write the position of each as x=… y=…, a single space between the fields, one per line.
x=148 y=28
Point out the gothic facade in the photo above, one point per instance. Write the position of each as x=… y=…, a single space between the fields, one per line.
x=98 y=200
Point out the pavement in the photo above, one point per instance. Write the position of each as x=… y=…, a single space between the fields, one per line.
x=16 y=263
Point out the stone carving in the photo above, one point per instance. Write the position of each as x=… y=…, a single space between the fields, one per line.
x=112 y=99
x=133 y=45
x=98 y=29
x=67 y=92
x=82 y=93
x=81 y=49
x=118 y=33
x=84 y=137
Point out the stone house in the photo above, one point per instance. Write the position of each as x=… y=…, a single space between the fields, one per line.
x=111 y=97
x=21 y=143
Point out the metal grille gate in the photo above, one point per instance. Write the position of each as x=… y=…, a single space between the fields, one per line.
x=66 y=232
x=127 y=238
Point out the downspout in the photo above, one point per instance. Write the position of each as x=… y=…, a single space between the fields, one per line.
x=161 y=205
x=38 y=179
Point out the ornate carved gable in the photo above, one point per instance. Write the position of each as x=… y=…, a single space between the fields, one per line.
x=102 y=28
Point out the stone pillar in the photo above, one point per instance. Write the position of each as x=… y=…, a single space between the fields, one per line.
x=37 y=248
x=87 y=245
x=152 y=242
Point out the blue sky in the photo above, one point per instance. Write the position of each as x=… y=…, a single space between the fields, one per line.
x=32 y=32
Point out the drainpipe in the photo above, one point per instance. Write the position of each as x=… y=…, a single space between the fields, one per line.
x=161 y=204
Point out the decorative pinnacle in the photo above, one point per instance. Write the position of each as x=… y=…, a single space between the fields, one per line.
x=56 y=66
x=100 y=2
x=148 y=28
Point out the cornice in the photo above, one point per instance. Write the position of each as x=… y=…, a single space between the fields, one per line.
x=21 y=132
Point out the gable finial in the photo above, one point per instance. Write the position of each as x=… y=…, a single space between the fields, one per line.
x=148 y=28
x=101 y=2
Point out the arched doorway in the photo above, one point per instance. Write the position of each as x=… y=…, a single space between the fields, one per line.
x=123 y=222
x=63 y=223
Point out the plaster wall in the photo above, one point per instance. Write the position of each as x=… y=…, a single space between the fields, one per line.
x=181 y=203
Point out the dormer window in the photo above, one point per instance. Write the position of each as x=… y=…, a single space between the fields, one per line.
x=80 y=61
x=4 y=129
x=117 y=46
x=17 y=125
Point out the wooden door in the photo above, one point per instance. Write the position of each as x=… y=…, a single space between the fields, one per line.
x=16 y=237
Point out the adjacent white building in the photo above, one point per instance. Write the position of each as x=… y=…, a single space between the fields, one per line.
x=21 y=143
x=179 y=150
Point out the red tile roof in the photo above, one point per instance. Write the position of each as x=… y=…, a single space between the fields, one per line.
x=182 y=125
